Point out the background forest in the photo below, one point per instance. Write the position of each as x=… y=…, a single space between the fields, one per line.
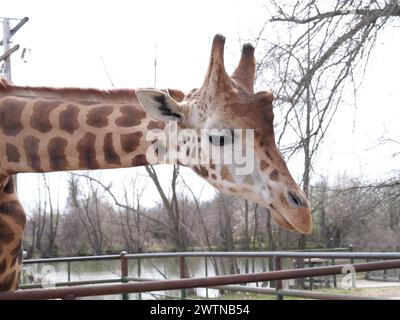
x=314 y=56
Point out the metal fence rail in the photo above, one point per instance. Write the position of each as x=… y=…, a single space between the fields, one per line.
x=278 y=276
x=296 y=293
x=239 y=254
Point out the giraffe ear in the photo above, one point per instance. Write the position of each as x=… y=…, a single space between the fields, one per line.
x=160 y=105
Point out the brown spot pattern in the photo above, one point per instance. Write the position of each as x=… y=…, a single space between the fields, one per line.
x=16 y=249
x=56 y=151
x=274 y=175
x=15 y=253
x=31 y=147
x=226 y=175
x=87 y=151
x=14 y=210
x=130 y=116
x=139 y=160
x=203 y=171
x=110 y=155
x=40 y=119
x=98 y=117
x=213 y=176
x=10 y=116
x=155 y=125
x=69 y=119
x=130 y=141
x=8 y=282
x=6 y=234
x=3 y=265
x=196 y=169
x=9 y=188
x=12 y=153
x=263 y=165
x=268 y=154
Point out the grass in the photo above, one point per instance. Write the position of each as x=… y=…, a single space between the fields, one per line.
x=244 y=296
x=378 y=292
x=381 y=292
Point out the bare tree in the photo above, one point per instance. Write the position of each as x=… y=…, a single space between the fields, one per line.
x=176 y=226
x=365 y=215
x=131 y=219
x=91 y=212
x=54 y=217
x=38 y=221
x=326 y=44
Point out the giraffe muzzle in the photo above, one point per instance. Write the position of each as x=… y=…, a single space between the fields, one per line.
x=293 y=214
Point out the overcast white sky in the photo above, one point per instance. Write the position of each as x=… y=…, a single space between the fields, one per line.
x=70 y=40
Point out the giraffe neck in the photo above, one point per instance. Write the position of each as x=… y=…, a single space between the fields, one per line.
x=47 y=129
x=12 y=225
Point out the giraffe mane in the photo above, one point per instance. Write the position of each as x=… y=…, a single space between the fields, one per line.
x=86 y=94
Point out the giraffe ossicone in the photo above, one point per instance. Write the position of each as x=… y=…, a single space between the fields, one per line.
x=223 y=125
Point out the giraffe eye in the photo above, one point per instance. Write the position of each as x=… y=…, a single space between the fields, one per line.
x=221 y=140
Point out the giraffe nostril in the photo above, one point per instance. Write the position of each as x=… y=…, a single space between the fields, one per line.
x=295 y=200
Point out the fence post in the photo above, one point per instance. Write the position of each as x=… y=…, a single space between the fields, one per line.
x=206 y=272
x=334 y=276
x=139 y=272
x=398 y=271
x=124 y=272
x=368 y=272
x=351 y=249
x=182 y=272
x=271 y=268
x=278 y=283
x=384 y=273
x=69 y=270
x=310 y=265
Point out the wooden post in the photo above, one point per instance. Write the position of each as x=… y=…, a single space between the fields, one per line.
x=182 y=271
x=206 y=272
x=278 y=283
x=351 y=249
x=334 y=276
x=310 y=265
x=139 y=273
x=124 y=272
x=69 y=270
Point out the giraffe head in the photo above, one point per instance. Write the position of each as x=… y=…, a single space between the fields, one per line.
x=227 y=115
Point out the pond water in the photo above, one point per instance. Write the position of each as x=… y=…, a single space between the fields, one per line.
x=157 y=268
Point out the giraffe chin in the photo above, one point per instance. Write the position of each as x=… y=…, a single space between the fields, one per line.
x=284 y=223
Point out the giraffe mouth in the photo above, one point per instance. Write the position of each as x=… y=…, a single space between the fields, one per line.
x=304 y=228
x=281 y=221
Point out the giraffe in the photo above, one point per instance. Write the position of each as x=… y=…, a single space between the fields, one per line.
x=45 y=129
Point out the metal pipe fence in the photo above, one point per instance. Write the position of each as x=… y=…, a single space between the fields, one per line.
x=86 y=288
